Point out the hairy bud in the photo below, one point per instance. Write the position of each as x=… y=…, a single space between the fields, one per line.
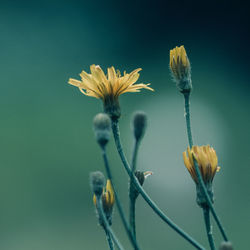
x=102 y=128
x=139 y=124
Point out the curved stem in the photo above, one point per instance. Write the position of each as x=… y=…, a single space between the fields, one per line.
x=206 y=213
x=105 y=223
x=118 y=203
x=197 y=170
x=143 y=193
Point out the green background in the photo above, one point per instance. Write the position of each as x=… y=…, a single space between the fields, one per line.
x=47 y=147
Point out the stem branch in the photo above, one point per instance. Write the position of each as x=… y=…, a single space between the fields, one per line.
x=118 y=203
x=143 y=193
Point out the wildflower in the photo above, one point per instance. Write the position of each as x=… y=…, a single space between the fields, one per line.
x=181 y=69
x=207 y=161
x=108 y=87
x=108 y=200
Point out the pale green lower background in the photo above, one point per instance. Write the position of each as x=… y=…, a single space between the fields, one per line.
x=47 y=147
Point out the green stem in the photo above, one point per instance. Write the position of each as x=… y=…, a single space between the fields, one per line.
x=132 y=200
x=118 y=203
x=132 y=216
x=188 y=122
x=143 y=193
x=105 y=223
x=208 y=227
x=109 y=240
x=197 y=170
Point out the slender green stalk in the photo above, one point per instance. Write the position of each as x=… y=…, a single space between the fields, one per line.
x=145 y=196
x=188 y=120
x=206 y=213
x=200 y=180
x=109 y=240
x=132 y=215
x=132 y=200
x=105 y=223
x=118 y=203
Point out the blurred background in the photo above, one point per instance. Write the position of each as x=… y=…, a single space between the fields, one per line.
x=46 y=139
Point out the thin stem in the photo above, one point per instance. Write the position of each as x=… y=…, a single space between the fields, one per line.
x=132 y=215
x=197 y=170
x=118 y=202
x=132 y=200
x=105 y=223
x=188 y=122
x=109 y=240
x=208 y=227
x=143 y=193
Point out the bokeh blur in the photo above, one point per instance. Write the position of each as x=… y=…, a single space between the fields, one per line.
x=47 y=147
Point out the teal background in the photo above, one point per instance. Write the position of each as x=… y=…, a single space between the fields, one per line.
x=46 y=139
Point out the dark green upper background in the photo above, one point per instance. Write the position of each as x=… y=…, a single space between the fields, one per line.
x=46 y=140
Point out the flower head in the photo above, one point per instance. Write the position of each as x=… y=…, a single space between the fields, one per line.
x=108 y=87
x=207 y=161
x=108 y=200
x=180 y=68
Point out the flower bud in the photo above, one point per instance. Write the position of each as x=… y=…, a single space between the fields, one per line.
x=180 y=69
x=102 y=128
x=97 y=182
x=139 y=124
x=141 y=176
x=226 y=245
x=108 y=200
x=207 y=161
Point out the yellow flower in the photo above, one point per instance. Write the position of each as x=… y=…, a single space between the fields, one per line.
x=108 y=87
x=180 y=67
x=108 y=199
x=207 y=161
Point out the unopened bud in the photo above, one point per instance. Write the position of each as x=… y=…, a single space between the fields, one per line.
x=181 y=69
x=97 y=182
x=141 y=176
x=102 y=128
x=226 y=245
x=108 y=200
x=139 y=124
